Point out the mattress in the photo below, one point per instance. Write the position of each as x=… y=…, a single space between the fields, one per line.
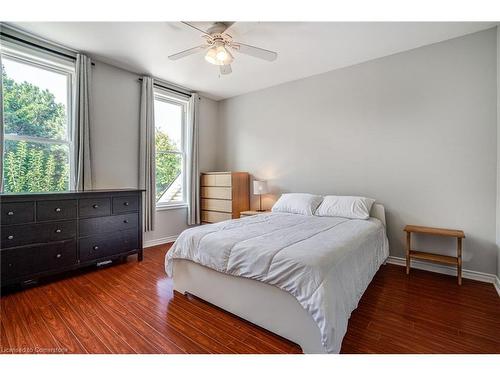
x=326 y=263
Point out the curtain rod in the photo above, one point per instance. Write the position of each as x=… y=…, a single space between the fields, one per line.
x=38 y=46
x=185 y=93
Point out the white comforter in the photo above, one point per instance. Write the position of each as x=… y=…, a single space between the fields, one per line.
x=324 y=262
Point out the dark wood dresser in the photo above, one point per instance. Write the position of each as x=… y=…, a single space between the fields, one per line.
x=47 y=233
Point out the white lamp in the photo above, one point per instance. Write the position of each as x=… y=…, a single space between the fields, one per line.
x=259 y=188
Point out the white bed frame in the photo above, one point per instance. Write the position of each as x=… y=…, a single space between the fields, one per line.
x=262 y=304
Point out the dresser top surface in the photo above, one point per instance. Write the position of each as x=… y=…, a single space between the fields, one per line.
x=224 y=172
x=69 y=192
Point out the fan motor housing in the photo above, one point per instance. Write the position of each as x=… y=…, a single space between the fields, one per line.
x=217 y=28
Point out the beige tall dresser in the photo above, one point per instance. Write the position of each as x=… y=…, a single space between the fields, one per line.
x=224 y=195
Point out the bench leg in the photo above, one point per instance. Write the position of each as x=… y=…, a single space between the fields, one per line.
x=408 y=244
x=459 y=261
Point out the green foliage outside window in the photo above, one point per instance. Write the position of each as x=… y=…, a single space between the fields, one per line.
x=33 y=166
x=29 y=110
x=168 y=165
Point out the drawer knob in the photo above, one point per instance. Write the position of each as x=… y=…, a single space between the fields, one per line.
x=58 y=256
x=10 y=213
x=96 y=247
x=125 y=221
x=58 y=230
x=95 y=206
x=57 y=209
x=11 y=237
x=11 y=265
x=125 y=203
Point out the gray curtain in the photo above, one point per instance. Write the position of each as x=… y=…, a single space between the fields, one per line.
x=1 y=127
x=147 y=180
x=193 y=172
x=81 y=119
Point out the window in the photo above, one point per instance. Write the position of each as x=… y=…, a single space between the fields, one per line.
x=37 y=148
x=170 y=119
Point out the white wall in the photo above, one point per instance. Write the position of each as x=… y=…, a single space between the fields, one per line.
x=416 y=130
x=114 y=127
x=115 y=139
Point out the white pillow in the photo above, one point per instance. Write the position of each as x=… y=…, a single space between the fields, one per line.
x=345 y=206
x=297 y=203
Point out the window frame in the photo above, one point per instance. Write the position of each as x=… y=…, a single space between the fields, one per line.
x=48 y=62
x=165 y=96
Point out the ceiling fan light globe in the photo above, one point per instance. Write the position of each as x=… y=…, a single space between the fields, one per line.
x=211 y=56
x=223 y=55
x=219 y=55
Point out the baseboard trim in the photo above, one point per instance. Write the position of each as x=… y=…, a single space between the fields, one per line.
x=497 y=285
x=160 y=241
x=447 y=270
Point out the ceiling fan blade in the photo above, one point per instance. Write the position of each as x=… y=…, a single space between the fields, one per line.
x=196 y=28
x=180 y=55
x=225 y=69
x=254 y=51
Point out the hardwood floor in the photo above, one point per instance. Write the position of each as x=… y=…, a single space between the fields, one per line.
x=424 y=312
x=131 y=308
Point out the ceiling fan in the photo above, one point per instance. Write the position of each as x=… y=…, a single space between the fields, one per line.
x=219 y=45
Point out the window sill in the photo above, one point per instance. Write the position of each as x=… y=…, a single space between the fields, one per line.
x=171 y=207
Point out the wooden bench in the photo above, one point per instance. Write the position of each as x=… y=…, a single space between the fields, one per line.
x=432 y=257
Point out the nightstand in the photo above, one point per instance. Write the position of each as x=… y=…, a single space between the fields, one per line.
x=252 y=212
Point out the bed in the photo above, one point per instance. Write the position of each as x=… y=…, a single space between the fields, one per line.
x=295 y=275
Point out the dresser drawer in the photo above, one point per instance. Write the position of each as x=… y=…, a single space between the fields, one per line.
x=18 y=262
x=31 y=260
x=207 y=180
x=125 y=204
x=56 y=255
x=17 y=212
x=107 y=245
x=217 y=205
x=214 y=217
x=223 y=179
x=58 y=231
x=90 y=227
x=89 y=207
x=56 y=210
x=19 y=235
x=216 y=192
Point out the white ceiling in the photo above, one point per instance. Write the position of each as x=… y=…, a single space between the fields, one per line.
x=304 y=48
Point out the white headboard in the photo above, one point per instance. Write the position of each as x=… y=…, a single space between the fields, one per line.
x=378 y=212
